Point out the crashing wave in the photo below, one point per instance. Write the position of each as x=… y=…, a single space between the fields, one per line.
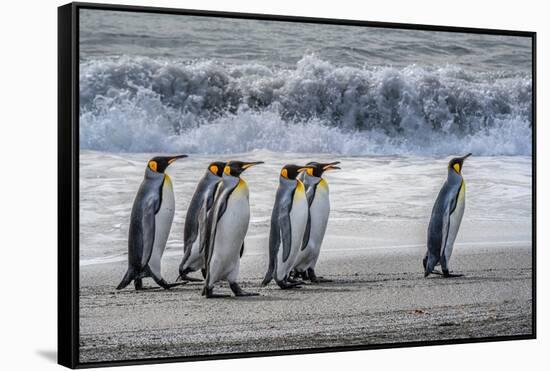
x=161 y=105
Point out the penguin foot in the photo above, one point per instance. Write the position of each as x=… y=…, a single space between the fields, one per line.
x=167 y=286
x=292 y=280
x=452 y=275
x=188 y=279
x=240 y=292
x=314 y=278
x=209 y=294
x=285 y=285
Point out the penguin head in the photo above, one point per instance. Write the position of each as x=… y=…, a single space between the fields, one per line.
x=317 y=168
x=160 y=163
x=456 y=163
x=235 y=168
x=292 y=171
x=216 y=168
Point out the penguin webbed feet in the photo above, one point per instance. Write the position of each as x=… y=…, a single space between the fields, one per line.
x=426 y=273
x=286 y=285
x=314 y=278
x=238 y=291
x=185 y=278
x=167 y=286
x=208 y=292
x=447 y=274
x=444 y=274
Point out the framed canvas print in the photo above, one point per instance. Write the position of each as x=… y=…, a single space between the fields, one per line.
x=236 y=185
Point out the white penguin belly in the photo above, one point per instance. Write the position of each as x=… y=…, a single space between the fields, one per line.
x=230 y=232
x=454 y=222
x=319 y=213
x=298 y=222
x=163 y=224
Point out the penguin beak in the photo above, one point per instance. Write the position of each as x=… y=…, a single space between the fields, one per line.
x=172 y=159
x=246 y=165
x=332 y=166
x=465 y=157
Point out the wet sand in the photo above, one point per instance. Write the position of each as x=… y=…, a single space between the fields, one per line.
x=377 y=296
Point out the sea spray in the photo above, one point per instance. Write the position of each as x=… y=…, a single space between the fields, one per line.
x=166 y=105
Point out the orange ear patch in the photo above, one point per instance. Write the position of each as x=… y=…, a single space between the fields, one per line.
x=153 y=165
x=227 y=170
x=214 y=169
x=284 y=173
x=309 y=171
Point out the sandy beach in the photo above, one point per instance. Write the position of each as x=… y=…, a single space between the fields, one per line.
x=373 y=248
x=378 y=296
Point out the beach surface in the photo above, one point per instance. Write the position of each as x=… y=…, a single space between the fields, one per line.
x=373 y=248
x=377 y=296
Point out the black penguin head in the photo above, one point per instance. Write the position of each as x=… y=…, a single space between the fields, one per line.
x=160 y=163
x=456 y=163
x=291 y=171
x=216 y=168
x=317 y=168
x=235 y=168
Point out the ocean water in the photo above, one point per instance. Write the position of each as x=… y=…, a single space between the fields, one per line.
x=377 y=202
x=199 y=85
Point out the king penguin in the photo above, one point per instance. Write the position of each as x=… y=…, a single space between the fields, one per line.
x=446 y=217
x=317 y=193
x=288 y=224
x=194 y=230
x=150 y=223
x=227 y=227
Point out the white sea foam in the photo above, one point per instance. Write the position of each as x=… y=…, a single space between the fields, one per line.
x=165 y=105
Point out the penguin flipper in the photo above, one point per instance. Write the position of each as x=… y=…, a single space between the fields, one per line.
x=220 y=205
x=274 y=243
x=307 y=231
x=286 y=234
x=190 y=231
x=203 y=223
x=310 y=195
x=148 y=229
x=452 y=203
x=196 y=230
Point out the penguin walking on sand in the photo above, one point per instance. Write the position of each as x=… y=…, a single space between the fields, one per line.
x=150 y=223
x=194 y=231
x=317 y=193
x=445 y=221
x=227 y=227
x=288 y=224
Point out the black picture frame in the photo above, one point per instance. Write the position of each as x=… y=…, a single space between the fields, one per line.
x=68 y=179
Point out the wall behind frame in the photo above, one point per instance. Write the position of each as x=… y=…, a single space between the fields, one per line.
x=28 y=148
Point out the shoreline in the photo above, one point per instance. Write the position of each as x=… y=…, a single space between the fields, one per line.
x=382 y=298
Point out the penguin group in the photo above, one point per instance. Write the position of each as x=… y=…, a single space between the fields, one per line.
x=218 y=216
